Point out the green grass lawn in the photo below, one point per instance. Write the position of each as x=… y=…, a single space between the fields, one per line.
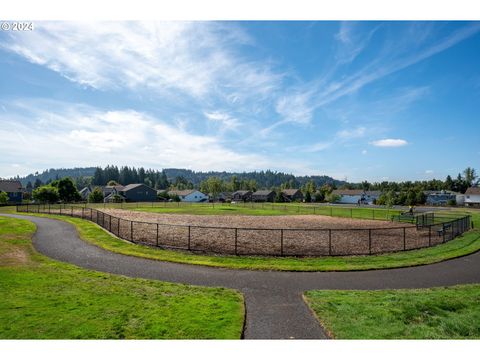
x=436 y=313
x=46 y=299
x=463 y=245
x=260 y=209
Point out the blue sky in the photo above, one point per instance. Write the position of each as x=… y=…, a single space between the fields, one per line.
x=353 y=100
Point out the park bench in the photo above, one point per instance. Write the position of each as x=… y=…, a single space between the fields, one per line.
x=443 y=229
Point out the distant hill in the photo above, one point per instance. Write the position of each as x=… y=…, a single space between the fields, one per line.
x=264 y=179
x=52 y=174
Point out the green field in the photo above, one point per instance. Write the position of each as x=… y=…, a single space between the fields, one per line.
x=463 y=245
x=436 y=313
x=46 y=299
x=256 y=209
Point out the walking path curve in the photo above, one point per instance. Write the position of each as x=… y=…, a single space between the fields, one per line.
x=274 y=305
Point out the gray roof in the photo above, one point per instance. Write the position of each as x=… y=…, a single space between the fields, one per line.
x=10 y=186
x=181 y=192
x=131 y=186
x=241 y=192
x=290 y=192
x=263 y=192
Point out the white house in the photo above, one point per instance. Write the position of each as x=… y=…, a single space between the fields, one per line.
x=472 y=196
x=356 y=196
x=189 y=195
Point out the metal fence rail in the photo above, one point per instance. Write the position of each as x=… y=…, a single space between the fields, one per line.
x=433 y=230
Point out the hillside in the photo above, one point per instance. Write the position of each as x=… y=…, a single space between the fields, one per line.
x=264 y=179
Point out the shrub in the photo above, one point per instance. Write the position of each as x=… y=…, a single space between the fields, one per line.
x=96 y=196
x=3 y=197
x=46 y=194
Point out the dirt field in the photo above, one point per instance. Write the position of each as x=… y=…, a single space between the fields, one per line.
x=292 y=235
x=263 y=235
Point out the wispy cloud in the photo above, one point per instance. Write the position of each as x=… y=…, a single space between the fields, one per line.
x=225 y=121
x=351 y=133
x=352 y=41
x=389 y=143
x=195 y=58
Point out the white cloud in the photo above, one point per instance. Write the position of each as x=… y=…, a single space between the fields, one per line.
x=84 y=136
x=351 y=133
x=197 y=58
x=429 y=172
x=295 y=108
x=389 y=143
x=227 y=122
x=352 y=40
x=364 y=152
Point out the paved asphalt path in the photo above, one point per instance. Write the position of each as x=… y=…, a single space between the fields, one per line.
x=274 y=305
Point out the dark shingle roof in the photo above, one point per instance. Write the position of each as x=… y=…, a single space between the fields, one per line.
x=10 y=186
x=290 y=192
x=241 y=192
x=131 y=186
x=473 y=191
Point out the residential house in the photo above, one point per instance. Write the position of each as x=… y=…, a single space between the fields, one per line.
x=222 y=197
x=356 y=196
x=443 y=197
x=14 y=190
x=472 y=196
x=189 y=195
x=106 y=190
x=292 y=195
x=263 y=196
x=137 y=192
x=242 y=195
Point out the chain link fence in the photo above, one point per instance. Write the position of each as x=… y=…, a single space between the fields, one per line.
x=424 y=231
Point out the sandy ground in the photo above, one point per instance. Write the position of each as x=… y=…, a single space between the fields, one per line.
x=292 y=235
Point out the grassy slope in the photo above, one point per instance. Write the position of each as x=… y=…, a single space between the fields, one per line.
x=46 y=299
x=436 y=313
x=463 y=245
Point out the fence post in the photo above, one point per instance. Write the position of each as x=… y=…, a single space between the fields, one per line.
x=236 y=238
x=49 y=211
x=83 y=211
x=131 y=231
x=351 y=213
x=370 y=241
x=71 y=211
x=27 y=208
x=329 y=241
x=189 y=237
x=157 y=234
x=110 y=223
x=429 y=235
x=91 y=214
x=281 y=242
x=404 y=239
x=443 y=231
